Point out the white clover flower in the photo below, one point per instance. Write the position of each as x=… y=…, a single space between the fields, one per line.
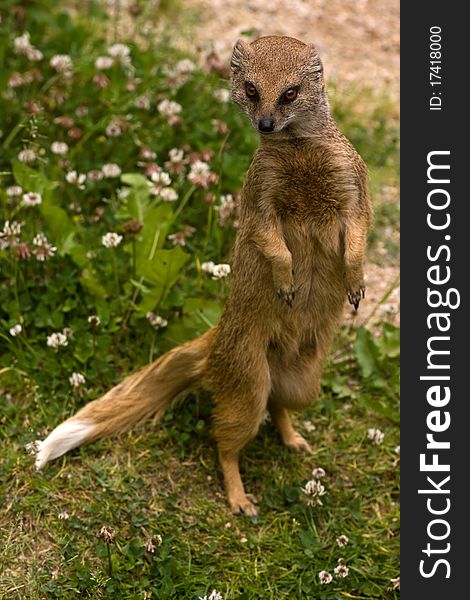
x=168 y=194
x=61 y=63
x=119 y=51
x=14 y=190
x=150 y=546
x=147 y=154
x=43 y=249
x=313 y=490
x=156 y=321
x=176 y=155
x=76 y=380
x=111 y=170
x=39 y=239
x=318 y=473
x=63 y=516
x=208 y=267
x=342 y=541
x=15 y=330
x=113 y=129
x=111 y=239
x=76 y=179
x=34 y=54
x=108 y=534
x=94 y=320
x=185 y=66
x=200 y=173
x=16 y=80
x=341 y=570
x=122 y=193
x=22 y=43
x=27 y=156
x=169 y=108
x=142 y=102
x=94 y=175
x=214 y=595
x=375 y=435
x=55 y=340
x=309 y=426
x=178 y=238
x=59 y=148
x=9 y=234
x=325 y=577
x=199 y=167
x=220 y=271
x=222 y=95
x=12 y=229
x=226 y=208
x=104 y=62
x=397 y=449
x=161 y=178
x=24 y=46
x=32 y=199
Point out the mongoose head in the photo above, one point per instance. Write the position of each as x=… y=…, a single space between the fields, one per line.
x=278 y=82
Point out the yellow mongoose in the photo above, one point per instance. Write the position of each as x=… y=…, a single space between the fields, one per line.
x=298 y=255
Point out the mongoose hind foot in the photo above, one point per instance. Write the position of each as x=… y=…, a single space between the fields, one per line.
x=244 y=505
x=297 y=443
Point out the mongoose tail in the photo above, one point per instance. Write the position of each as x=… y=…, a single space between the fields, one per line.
x=145 y=393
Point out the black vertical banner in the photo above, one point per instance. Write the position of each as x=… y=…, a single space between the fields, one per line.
x=434 y=301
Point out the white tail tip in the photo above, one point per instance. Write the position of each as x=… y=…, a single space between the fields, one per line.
x=66 y=436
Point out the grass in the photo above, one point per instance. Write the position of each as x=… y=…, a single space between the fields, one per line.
x=165 y=481
x=159 y=487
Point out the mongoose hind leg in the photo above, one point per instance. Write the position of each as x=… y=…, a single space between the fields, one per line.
x=295 y=384
x=236 y=421
x=239 y=501
x=291 y=438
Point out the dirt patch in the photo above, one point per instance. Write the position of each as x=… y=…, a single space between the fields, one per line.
x=358 y=39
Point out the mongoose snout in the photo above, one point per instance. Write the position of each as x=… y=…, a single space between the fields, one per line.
x=266 y=125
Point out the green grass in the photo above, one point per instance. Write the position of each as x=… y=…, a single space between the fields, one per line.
x=164 y=480
x=153 y=483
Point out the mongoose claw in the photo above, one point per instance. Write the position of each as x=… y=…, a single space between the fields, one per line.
x=288 y=296
x=354 y=296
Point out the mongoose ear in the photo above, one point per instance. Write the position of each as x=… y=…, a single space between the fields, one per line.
x=241 y=52
x=314 y=59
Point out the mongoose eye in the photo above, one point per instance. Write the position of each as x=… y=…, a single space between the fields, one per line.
x=251 y=90
x=291 y=94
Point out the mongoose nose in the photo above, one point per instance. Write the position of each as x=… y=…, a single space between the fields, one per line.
x=266 y=125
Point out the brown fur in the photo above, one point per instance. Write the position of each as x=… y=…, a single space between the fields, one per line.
x=298 y=255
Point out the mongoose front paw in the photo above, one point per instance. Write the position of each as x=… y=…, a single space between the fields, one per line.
x=355 y=296
x=286 y=294
x=283 y=276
